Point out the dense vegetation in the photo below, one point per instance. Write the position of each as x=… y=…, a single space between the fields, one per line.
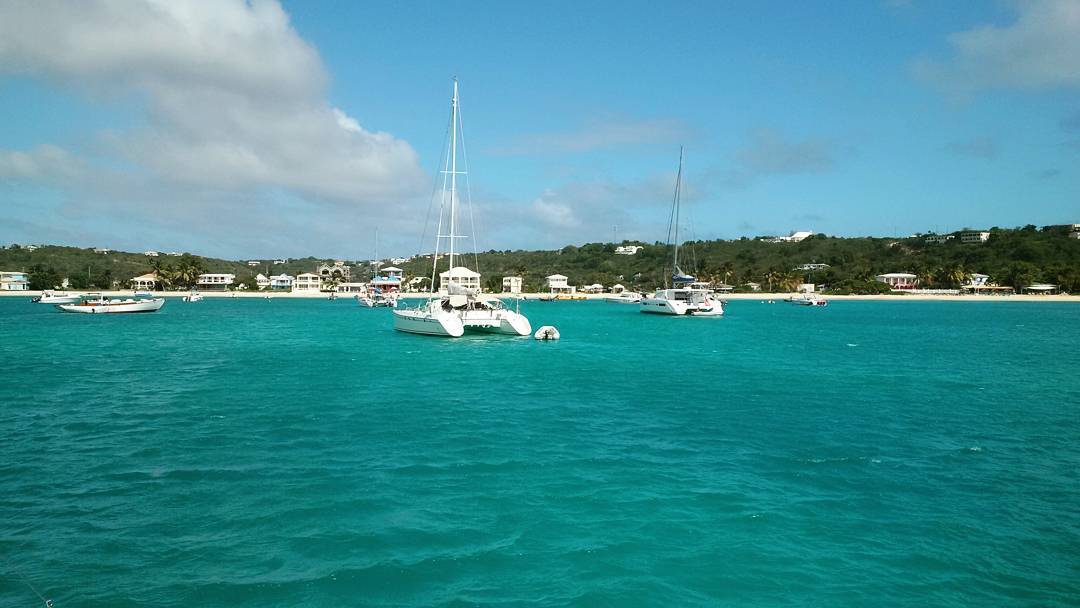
x=1012 y=257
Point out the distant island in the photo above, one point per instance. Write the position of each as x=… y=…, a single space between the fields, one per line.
x=1005 y=257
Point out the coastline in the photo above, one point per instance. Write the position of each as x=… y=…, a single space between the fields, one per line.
x=597 y=296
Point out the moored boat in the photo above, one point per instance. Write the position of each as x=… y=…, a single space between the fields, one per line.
x=808 y=299
x=97 y=304
x=57 y=297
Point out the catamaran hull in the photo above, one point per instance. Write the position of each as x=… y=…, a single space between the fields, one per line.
x=503 y=322
x=419 y=322
x=658 y=306
x=119 y=307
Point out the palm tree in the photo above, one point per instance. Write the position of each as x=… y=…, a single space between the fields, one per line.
x=727 y=269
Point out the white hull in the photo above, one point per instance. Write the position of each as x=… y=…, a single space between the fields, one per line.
x=675 y=307
x=434 y=320
x=114 y=306
x=625 y=299
x=428 y=324
x=59 y=299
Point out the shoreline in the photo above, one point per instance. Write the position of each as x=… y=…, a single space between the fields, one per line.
x=595 y=296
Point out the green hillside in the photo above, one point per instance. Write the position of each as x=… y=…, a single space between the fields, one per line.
x=1012 y=257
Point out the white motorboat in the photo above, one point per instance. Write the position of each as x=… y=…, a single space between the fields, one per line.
x=96 y=304
x=686 y=296
x=377 y=300
x=461 y=309
x=58 y=297
x=626 y=297
x=193 y=297
x=808 y=299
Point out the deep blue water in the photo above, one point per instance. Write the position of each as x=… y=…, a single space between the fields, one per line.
x=302 y=453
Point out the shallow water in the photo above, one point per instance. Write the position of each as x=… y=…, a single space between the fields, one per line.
x=302 y=453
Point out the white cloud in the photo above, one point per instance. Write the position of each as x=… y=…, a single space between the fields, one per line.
x=1038 y=51
x=234 y=105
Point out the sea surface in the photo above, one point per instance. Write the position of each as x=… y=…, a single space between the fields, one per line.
x=244 y=452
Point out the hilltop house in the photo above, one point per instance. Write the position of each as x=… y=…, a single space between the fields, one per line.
x=939 y=238
x=628 y=249
x=794 y=237
x=811 y=267
x=151 y=254
x=974 y=236
x=338 y=270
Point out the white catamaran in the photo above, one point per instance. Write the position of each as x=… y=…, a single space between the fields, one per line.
x=461 y=308
x=683 y=297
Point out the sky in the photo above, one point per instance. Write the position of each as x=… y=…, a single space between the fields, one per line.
x=267 y=129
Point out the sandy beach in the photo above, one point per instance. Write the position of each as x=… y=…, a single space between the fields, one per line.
x=598 y=296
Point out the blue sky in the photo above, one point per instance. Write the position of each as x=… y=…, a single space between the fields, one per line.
x=263 y=130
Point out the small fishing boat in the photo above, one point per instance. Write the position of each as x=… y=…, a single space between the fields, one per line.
x=96 y=304
x=57 y=297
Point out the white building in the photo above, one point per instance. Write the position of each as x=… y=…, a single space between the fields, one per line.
x=460 y=275
x=261 y=281
x=811 y=267
x=399 y=260
x=338 y=270
x=939 y=238
x=174 y=254
x=594 y=288
x=352 y=287
x=102 y=250
x=144 y=282
x=388 y=279
x=512 y=284
x=628 y=249
x=307 y=281
x=898 y=280
x=151 y=254
x=14 y=281
x=281 y=282
x=556 y=284
x=977 y=280
x=974 y=236
x=253 y=263
x=285 y=261
x=213 y=280
x=31 y=248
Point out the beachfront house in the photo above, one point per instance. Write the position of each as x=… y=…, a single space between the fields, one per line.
x=556 y=284
x=594 y=288
x=145 y=282
x=281 y=282
x=898 y=280
x=14 y=281
x=512 y=284
x=460 y=275
x=628 y=249
x=213 y=280
x=352 y=288
x=752 y=286
x=388 y=279
x=617 y=288
x=307 y=281
x=337 y=271
x=974 y=236
x=261 y=281
x=1042 y=289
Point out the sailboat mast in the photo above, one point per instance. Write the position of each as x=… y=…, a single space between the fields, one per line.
x=678 y=185
x=453 y=170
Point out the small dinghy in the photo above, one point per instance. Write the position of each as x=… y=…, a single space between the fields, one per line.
x=547 y=332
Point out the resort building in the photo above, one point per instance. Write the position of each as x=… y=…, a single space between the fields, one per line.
x=388 y=279
x=811 y=267
x=460 y=275
x=307 y=281
x=144 y=282
x=261 y=281
x=215 y=281
x=556 y=284
x=974 y=236
x=14 y=281
x=512 y=284
x=337 y=270
x=151 y=254
x=939 y=238
x=281 y=282
x=898 y=280
x=594 y=288
x=628 y=249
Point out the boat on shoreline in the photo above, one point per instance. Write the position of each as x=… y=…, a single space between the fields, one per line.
x=462 y=308
x=808 y=299
x=97 y=304
x=686 y=297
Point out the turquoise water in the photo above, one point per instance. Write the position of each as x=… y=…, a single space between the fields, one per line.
x=302 y=453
